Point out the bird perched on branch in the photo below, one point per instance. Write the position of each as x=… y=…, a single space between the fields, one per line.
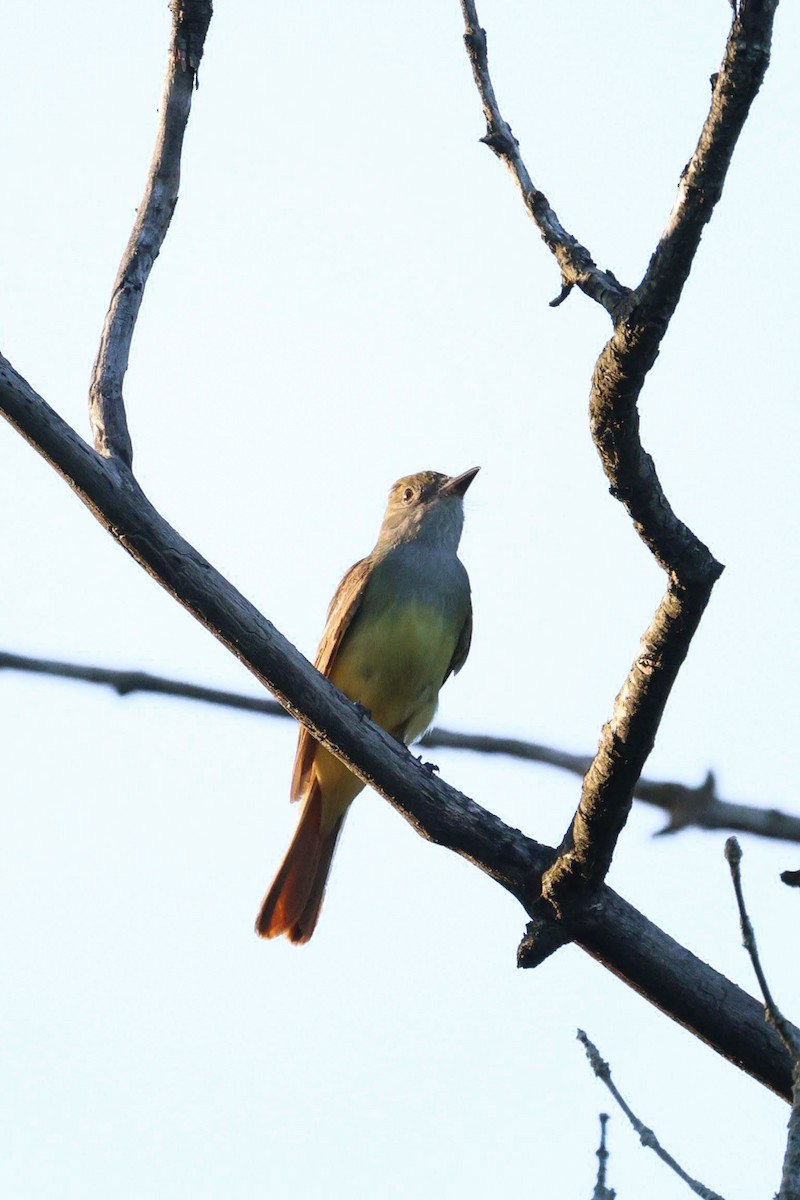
x=398 y=626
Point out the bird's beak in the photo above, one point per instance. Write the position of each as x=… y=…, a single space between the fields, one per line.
x=457 y=485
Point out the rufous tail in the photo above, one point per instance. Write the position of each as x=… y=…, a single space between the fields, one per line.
x=293 y=902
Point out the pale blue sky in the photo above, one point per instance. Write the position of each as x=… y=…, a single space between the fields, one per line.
x=351 y=291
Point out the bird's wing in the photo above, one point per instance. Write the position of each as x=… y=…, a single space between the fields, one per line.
x=462 y=647
x=343 y=608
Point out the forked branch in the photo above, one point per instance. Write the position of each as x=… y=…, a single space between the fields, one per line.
x=641 y=319
x=618 y=378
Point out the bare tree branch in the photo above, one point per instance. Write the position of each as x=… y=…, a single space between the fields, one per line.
x=733 y=854
x=618 y=379
x=640 y=321
x=576 y=263
x=646 y=1136
x=734 y=88
x=698 y=807
x=631 y=351
x=790 y=1173
x=112 y=494
x=125 y=682
x=625 y=743
x=608 y=928
x=601 y=1192
x=790 y=1177
x=190 y=20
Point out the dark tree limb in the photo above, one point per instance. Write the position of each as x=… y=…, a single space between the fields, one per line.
x=734 y=88
x=112 y=494
x=688 y=807
x=618 y=379
x=607 y=794
x=190 y=21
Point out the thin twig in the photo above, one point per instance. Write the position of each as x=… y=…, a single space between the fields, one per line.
x=787 y=1032
x=576 y=263
x=688 y=807
x=190 y=20
x=601 y=1191
x=646 y=1136
x=125 y=682
x=790 y=1175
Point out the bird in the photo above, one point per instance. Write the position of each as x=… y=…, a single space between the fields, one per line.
x=399 y=625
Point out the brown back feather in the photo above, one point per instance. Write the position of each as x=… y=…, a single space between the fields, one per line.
x=343 y=607
x=462 y=647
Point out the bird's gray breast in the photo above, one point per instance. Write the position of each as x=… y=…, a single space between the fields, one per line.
x=426 y=576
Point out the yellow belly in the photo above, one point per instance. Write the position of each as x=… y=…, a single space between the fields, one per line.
x=393 y=663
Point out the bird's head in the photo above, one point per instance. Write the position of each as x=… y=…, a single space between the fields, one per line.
x=426 y=507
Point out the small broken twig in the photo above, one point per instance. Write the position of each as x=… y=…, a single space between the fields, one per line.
x=601 y=1192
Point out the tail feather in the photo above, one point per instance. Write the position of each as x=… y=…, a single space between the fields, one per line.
x=292 y=904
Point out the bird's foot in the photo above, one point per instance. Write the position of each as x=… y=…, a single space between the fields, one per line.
x=430 y=767
x=362 y=712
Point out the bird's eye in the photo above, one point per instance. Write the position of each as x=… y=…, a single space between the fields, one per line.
x=408 y=495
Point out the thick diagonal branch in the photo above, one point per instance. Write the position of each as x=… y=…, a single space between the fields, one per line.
x=611 y=930
x=190 y=20
x=112 y=494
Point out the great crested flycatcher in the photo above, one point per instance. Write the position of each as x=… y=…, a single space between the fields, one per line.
x=399 y=625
